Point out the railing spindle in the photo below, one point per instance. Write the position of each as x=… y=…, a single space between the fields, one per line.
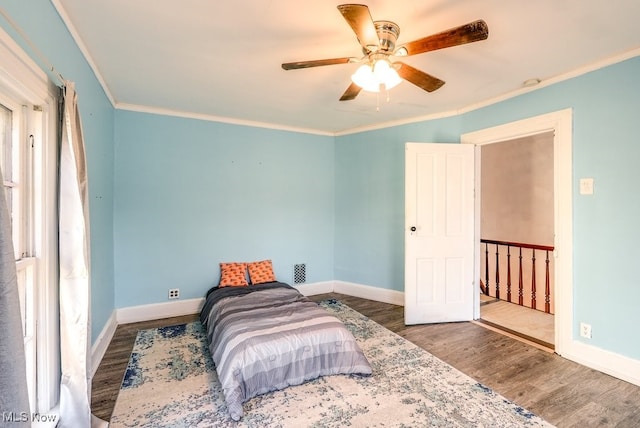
x=508 y=273
x=547 y=287
x=533 y=279
x=497 y=272
x=486 y=268
x=520 y=282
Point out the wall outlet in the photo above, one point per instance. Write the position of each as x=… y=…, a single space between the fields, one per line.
x=585 y=330
x=586 y=186
x=174 y=293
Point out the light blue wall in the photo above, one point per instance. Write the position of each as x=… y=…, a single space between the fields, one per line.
x=44 y=28
x=606 y=146
x=191 y=194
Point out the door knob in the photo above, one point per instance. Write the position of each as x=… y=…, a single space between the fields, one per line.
x=413 y=228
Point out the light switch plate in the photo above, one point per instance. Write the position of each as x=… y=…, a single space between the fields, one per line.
x=586 y=186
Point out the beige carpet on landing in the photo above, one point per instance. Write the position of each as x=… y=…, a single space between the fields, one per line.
x=527 y=321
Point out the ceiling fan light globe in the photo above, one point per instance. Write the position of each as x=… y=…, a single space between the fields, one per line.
x=392 y=83
x=381 y=68
x=365 y=78
x=386 y=74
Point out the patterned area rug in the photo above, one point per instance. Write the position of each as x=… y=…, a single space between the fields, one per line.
x=171 y=382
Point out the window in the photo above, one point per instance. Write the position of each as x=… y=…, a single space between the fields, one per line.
x=29 y=173
x=17 y=168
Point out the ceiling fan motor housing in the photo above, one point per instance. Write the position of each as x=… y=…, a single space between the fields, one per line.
x=388 y=33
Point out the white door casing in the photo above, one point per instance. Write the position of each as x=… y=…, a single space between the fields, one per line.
x=560 y=123
x=439 y=232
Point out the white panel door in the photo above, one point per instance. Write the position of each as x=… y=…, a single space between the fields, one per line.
x=439 y=232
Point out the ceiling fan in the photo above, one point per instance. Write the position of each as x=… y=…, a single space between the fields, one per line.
x=380 y=65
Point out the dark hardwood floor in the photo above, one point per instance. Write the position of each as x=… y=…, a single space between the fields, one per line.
x=564 y=393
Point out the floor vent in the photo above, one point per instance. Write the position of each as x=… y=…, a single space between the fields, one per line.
x=299 y=273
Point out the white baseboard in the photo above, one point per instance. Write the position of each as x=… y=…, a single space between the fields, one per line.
x=353 y=289
x=159 y=310
x=613 y=364
x=368 y=292
x=101 y=343
x=315 y=288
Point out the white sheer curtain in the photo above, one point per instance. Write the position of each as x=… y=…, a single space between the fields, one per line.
x=14 y=397
x=75 y=285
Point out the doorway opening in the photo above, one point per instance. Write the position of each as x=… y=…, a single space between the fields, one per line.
x=559 y=124
x=517 y=230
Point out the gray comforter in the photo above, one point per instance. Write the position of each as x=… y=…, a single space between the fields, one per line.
x=268 y=337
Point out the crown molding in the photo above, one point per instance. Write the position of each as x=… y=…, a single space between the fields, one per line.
x=221 y=119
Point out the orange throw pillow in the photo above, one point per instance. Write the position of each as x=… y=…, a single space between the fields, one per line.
x=233 y=275
x=261 y=272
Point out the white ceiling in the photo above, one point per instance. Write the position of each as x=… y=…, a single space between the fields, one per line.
x=221 y=59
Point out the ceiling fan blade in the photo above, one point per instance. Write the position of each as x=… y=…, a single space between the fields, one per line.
x=419 y=78
x=359 y=18
x=316 y=63
x=471 y=32
x=351 y=93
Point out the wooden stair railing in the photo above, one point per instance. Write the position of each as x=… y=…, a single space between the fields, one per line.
x=533 y=247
